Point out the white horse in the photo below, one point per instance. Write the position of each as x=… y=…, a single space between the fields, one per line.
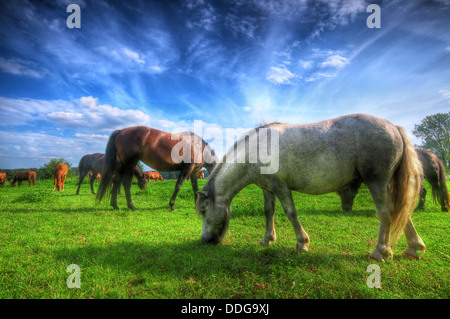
x=319 y=158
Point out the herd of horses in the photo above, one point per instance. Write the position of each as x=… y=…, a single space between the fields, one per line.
x=335 y=155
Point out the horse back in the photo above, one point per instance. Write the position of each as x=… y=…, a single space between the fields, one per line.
x=325 y=156
x=153 y=147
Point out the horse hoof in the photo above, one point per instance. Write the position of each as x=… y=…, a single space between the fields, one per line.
x=412 y=257
x=302 y=247
x=411 y=254
x=377 y=256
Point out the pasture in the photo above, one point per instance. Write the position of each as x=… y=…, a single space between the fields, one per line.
x=157 y=253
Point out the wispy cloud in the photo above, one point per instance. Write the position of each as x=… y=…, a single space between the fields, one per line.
x=20 y=67
x=335 y=61
x=278 y=75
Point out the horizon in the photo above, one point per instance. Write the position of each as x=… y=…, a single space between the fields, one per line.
x=230 y=64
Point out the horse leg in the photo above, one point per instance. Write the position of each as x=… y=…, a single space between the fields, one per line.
x=116 y=183
x=80 y=180
x=91 y=181
x=381 y=197
x=422 y=195
x=285 y=196
x=194 y=186
x=127 y=176
x=181 y=178
x=269 y=210
x=347 y=198
x=54 y=185
x=415 y=243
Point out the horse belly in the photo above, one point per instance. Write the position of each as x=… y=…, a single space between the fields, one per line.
x=320 y=172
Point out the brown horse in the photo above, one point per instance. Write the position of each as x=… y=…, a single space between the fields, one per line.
x=153 y=175
x=61 y=171
x=433 y=172
x=29 y=176
x=162 y=151
x=98 y=178
x=95 y=163
x=201 y=174
x=2 y=178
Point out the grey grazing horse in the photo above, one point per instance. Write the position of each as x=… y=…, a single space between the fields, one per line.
x=433 y=172
x=319 y=158
x=95 y=163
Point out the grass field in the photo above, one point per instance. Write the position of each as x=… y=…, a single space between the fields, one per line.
x=156 y=253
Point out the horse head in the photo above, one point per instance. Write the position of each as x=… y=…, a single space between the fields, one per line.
x=215 y=215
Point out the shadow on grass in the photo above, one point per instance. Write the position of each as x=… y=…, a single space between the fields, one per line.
x=192 y=259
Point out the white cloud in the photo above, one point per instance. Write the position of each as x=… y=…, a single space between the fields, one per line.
x=86 y=113
x=320 y=75
x=20 y=67
x=279 y=75
x=445 y=94
x=306 y=64
x=134 y=56
x=156 y=69
x=30 y=149
x=335 y=61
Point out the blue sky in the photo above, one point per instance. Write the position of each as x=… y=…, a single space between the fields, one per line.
x=230 y=64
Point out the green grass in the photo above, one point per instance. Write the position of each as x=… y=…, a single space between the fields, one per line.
x=157 y=253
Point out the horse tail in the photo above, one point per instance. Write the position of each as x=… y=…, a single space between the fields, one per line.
x=109 y=166
x=404 y=187
x=441 y=191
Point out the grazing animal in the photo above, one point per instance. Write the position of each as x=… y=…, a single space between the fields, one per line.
x=320 y=158
x=162 y=151
x=153 y=175
x=29 y=176
x=95 y=163
x=433 y=172
x=2 y=178
x=61 y=171
x=200 y=174
x=98 y=177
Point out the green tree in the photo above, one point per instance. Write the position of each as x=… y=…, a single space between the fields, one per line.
x=48 y=170
x=434 y=130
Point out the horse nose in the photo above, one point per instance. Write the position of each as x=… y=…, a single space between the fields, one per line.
x=208 y=239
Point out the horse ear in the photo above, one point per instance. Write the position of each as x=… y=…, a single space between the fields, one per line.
x=202 y=194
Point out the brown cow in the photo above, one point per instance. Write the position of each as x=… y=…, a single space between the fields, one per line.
x=2 y=178
x=61 y=171
x=152 y=175
x=23 y=176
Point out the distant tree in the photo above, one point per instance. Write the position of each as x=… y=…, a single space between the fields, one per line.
x=48 y=170
x=434 y=130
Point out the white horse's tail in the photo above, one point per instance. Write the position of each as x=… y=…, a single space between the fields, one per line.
x=405 y=186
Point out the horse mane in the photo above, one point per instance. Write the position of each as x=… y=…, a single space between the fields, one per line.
x=266 y=125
